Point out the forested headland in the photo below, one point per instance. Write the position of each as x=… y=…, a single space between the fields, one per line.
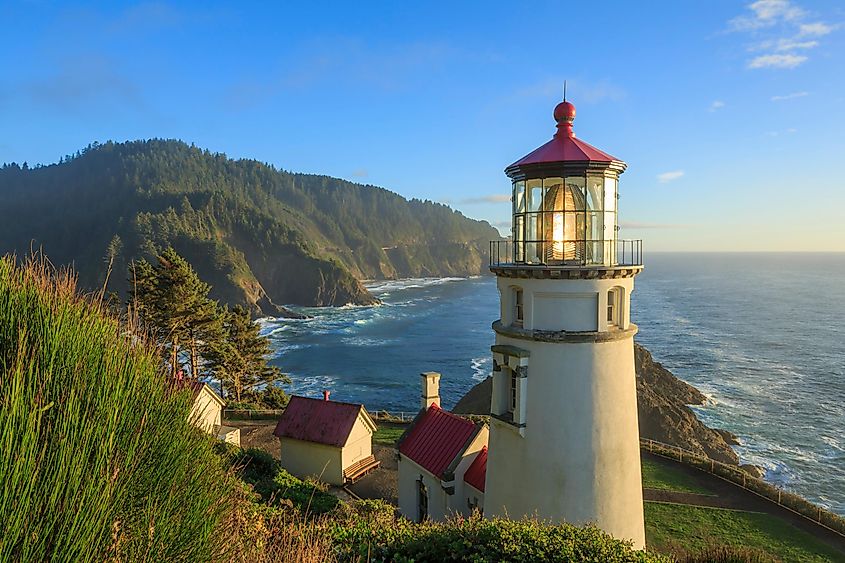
x=260 y=236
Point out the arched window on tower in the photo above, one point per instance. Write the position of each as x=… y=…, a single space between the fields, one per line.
x=518 y=311
x=613 y=307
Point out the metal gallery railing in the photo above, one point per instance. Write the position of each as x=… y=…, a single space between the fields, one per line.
x=566 y=253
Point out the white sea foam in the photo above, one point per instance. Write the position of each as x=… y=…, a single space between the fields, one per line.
x=481 y=367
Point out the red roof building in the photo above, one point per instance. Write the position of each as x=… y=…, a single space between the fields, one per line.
x=434 y=454
x=436 y=438
x=476 y=474
x=320 y=421
x=328 y=440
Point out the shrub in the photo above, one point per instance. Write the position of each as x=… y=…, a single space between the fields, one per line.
x=372 y=538
x=97 y=458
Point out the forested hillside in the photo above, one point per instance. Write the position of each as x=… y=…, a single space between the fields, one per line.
x=259 y=235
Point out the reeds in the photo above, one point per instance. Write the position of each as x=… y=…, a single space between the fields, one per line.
x=97 y=458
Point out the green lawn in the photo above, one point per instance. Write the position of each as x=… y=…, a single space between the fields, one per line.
x=658 y=476
x=387 y=434
x=670 y=527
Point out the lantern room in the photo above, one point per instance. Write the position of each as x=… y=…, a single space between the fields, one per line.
x=565 y=205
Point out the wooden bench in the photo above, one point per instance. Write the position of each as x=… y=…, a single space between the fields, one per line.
x=360 y=468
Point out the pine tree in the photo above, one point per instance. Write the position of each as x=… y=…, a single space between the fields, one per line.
x=239 y=359
x=173 y=304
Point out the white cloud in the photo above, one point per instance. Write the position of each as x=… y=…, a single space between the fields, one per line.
x=791 y=96
x=766 y=13
x=669 y=176
x=494 y=198
x=790 y=45
x=360 y=173
x=716 y=105
x=779 y=28
x=816 y=29
x=777 y=61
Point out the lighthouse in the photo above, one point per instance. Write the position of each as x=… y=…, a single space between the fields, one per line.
x=563 y=437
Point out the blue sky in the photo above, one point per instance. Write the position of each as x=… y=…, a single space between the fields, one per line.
x=729 y=114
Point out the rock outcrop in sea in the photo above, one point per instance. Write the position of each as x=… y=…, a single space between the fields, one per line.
x=663 y=402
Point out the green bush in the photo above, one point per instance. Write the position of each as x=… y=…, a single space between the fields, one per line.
x=308 y=496
x=275 y=486
x=256 y=465
x=97 y=458
x=373 y=536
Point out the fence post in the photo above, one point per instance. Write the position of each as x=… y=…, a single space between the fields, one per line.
x=743 y=479
x=778 y=496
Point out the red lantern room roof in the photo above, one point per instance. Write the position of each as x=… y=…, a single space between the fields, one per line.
x=564 y=147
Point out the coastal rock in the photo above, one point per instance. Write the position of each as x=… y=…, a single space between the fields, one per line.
x=754 y=470
x=662 y=401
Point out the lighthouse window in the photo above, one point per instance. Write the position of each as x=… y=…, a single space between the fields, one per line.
x=565 y=220
x=612 y=308
x=535 y=195
x=519 y=197
x=517 y=307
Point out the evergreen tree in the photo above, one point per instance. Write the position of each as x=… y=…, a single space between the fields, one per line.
x=239 y=358
x=173 y=304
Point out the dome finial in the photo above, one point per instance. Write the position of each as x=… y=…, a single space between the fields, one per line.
x=564 y=115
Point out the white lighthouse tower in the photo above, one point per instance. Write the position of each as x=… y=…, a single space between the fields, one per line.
x=564 y=442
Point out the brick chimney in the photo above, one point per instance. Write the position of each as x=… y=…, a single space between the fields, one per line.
x=430 y=389
x=326 y=395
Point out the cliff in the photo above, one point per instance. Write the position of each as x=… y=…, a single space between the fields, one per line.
x=260 y=236
x=662 y=401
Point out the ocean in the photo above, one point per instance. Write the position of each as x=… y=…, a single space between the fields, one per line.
x=762 y=335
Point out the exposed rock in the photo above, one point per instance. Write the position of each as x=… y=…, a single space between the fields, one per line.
x=754 y=470
x=728 y=437
x=662 y=401
x=477 y=400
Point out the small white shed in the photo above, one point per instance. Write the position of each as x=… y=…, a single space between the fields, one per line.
x=327 y=440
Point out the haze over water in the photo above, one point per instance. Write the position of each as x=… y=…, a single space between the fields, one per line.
x=763 y=335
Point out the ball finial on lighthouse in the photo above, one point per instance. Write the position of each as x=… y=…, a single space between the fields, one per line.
x=565 y=115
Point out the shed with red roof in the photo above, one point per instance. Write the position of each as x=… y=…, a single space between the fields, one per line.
x=327 y=440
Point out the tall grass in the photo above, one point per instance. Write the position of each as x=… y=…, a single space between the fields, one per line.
x=97 y=459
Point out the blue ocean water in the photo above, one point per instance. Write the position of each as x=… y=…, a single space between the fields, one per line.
x=762 y=335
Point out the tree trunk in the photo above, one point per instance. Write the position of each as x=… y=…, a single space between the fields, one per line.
x=194 y=360
x=174 y=358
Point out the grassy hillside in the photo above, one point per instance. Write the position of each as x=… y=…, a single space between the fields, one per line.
x=258 y=235
x=97 y=459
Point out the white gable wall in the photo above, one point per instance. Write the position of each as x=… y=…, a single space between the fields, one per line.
x=206 y=410
x=457 y=502
x=409 y=474
x=359 y=445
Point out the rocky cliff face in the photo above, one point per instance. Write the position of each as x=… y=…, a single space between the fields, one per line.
x=662 y=401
